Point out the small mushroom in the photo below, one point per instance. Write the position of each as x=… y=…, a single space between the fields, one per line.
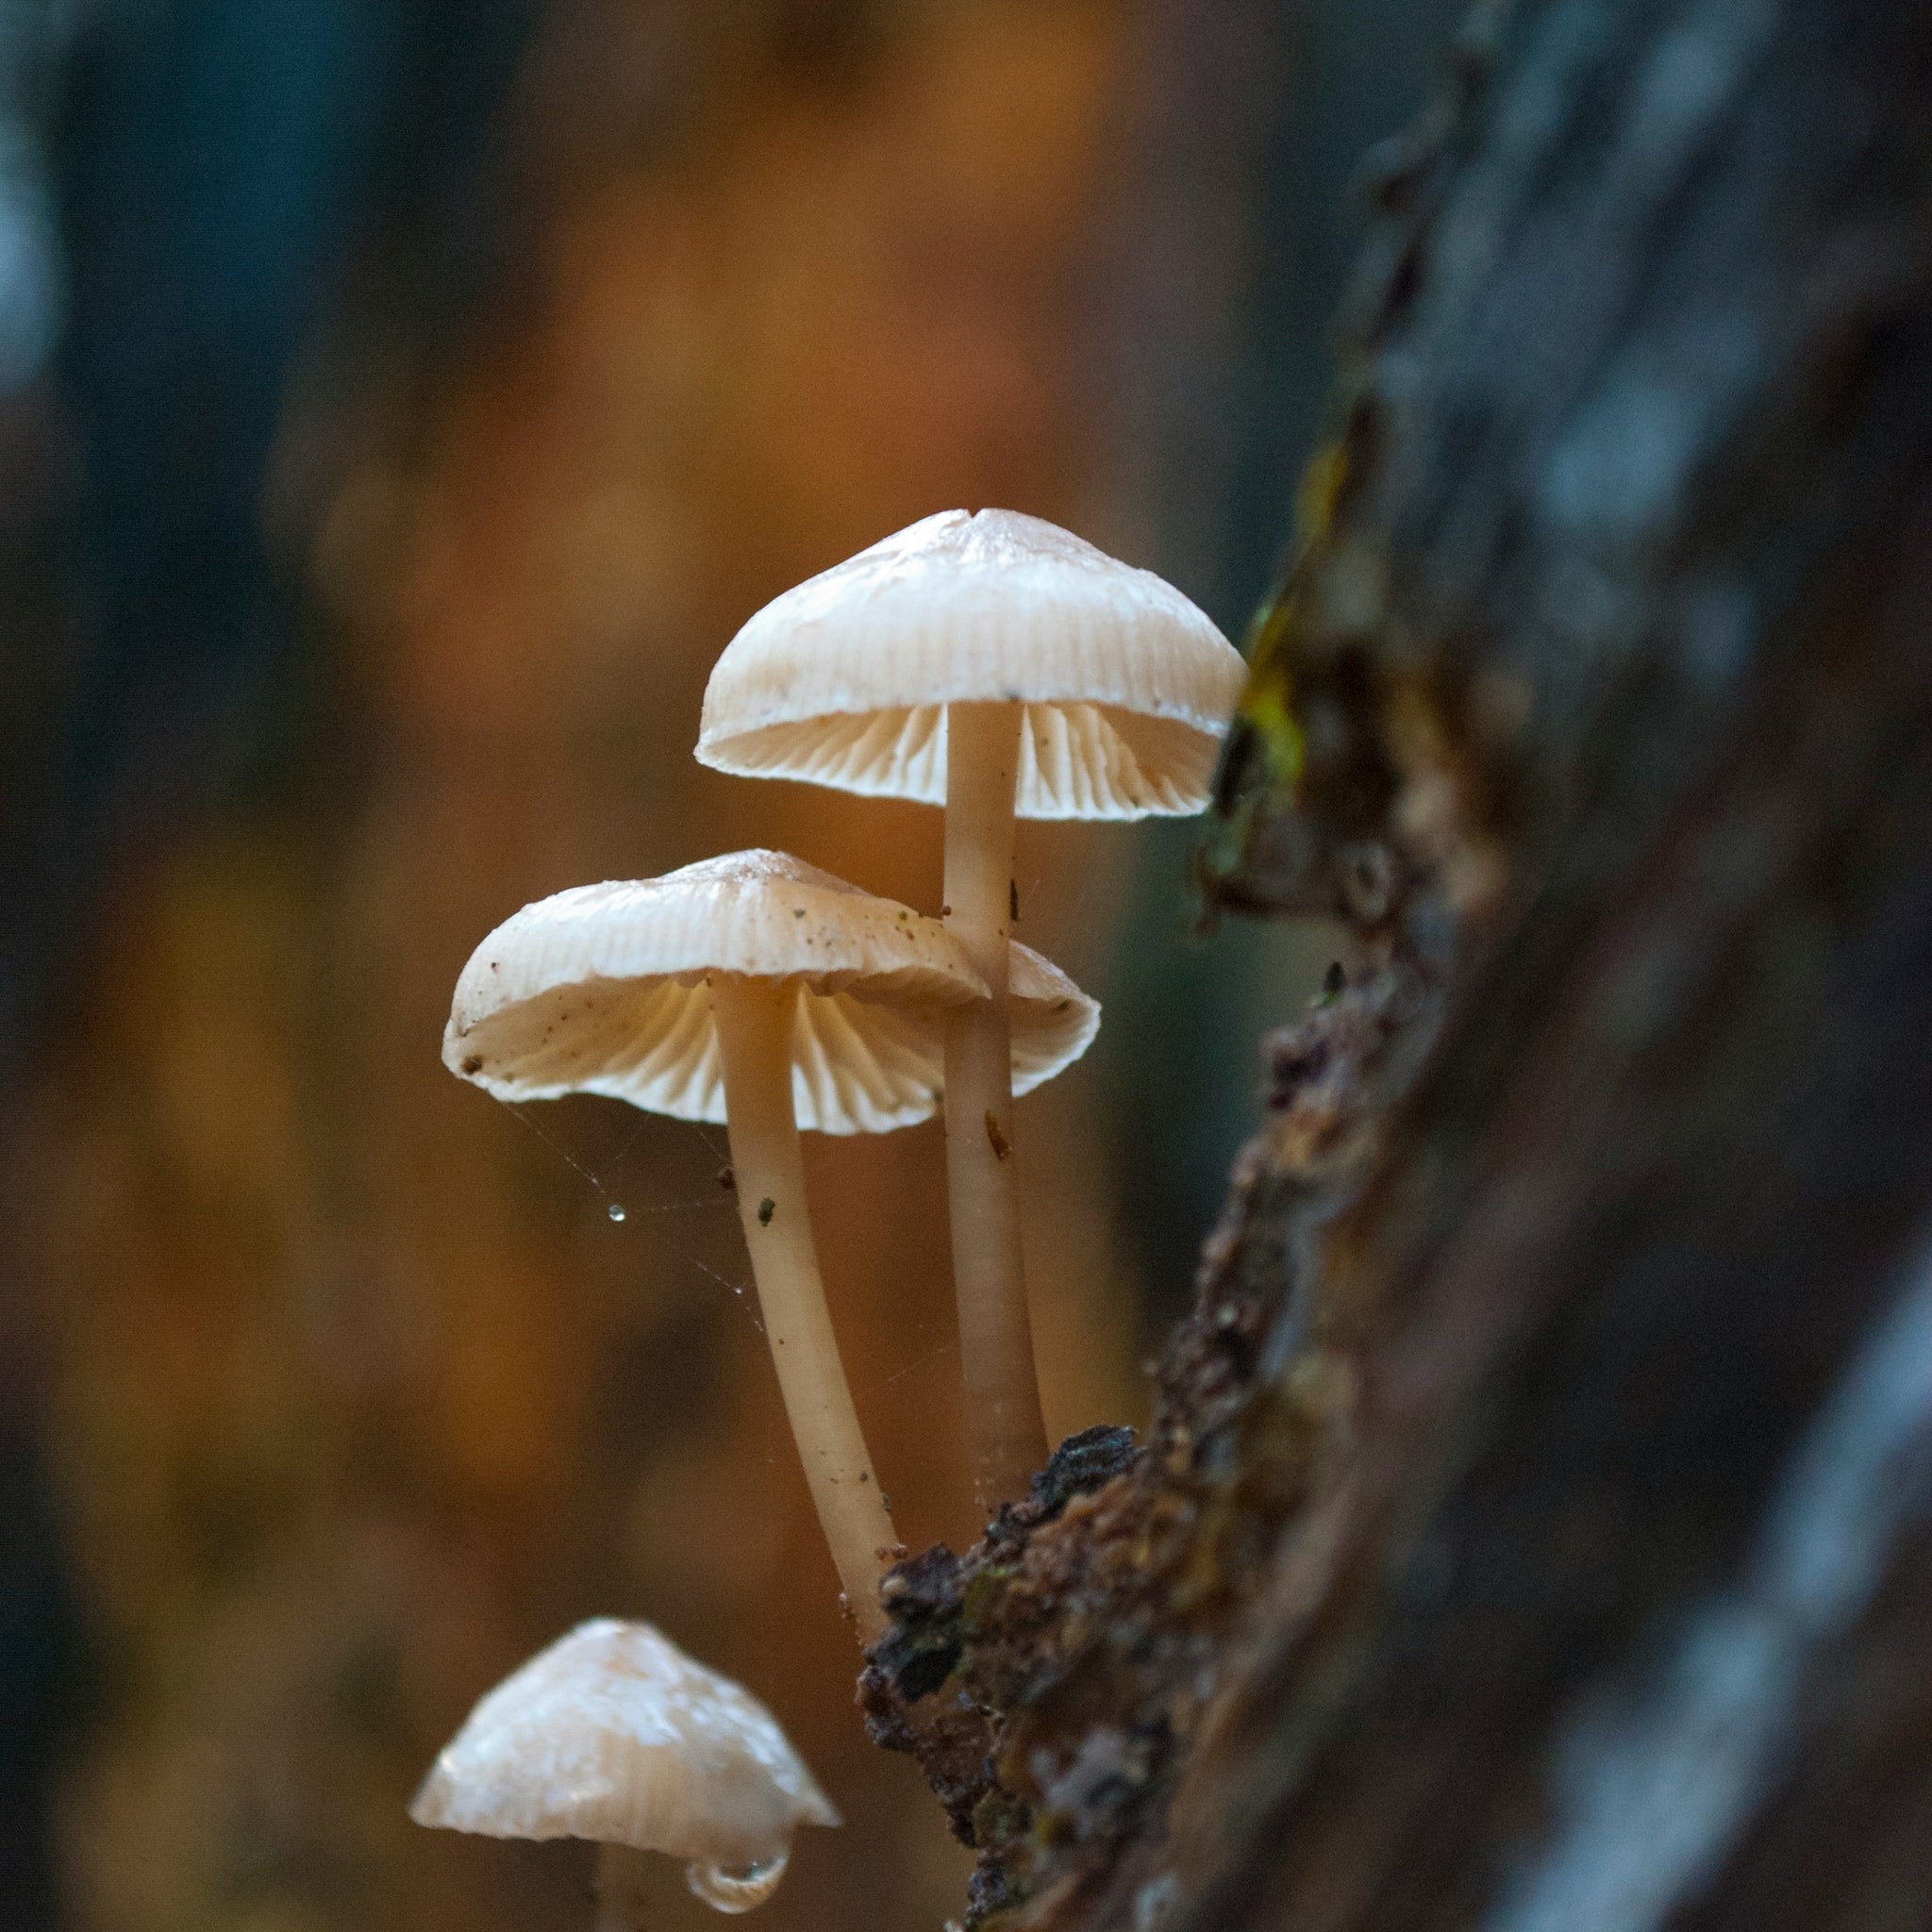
x=759 y=991
x=996 y=665
x=613 y=1734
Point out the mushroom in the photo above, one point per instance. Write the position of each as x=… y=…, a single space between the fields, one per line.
x=757 y=990
x=614 y=1734
x=996 y=665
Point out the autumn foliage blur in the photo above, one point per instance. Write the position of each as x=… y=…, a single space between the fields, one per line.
x=347 y=1388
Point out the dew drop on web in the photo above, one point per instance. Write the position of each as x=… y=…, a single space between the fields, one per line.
x=615 y=1210
x=739 y=1891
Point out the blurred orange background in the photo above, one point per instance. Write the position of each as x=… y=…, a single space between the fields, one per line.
x=334 y=1388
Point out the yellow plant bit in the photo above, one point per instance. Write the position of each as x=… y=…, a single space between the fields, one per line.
x=1265 y=746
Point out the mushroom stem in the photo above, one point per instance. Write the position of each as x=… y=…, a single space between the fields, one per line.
x=754 y=1042
x=616 y=1909
x=1005 y=1434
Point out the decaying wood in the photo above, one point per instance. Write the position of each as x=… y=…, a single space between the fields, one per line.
x=1536 y=1529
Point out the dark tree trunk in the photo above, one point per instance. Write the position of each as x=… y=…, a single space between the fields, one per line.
x=1536 y=1532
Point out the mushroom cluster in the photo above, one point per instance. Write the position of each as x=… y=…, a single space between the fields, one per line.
x=994 y=665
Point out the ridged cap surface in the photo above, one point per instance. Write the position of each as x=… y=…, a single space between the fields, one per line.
x=844 y=680
x=601 y=990
x=614 y=1734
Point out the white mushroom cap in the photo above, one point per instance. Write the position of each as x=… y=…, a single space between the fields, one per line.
x=613 y=1734
x=600 y=989
x=844 y=680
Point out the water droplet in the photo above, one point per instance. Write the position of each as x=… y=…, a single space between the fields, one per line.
x=615 y=1210
x=739 y=1891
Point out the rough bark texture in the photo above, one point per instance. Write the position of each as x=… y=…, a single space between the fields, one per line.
x=1536 y=1530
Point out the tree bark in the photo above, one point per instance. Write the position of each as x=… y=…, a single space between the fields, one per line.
x=1535 y=1528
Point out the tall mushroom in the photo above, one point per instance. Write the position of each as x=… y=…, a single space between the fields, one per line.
x=613 y=1734
x=998 y=666
x=757 y=990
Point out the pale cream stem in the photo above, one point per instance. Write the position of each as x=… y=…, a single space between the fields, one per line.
x=753 y=1019
x=1006 y=1435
